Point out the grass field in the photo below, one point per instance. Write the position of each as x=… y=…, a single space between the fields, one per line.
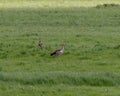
x=90 y=64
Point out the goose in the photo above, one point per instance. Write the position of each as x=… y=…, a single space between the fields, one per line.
x=40 y=43
x=58 y=51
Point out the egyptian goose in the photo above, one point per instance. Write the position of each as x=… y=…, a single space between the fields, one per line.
x=58 y=51
x=40 y=43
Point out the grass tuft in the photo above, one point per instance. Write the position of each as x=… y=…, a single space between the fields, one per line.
x=108 y=5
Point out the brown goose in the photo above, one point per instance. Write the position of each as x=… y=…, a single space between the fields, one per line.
x=40 y=43
x=58 y=51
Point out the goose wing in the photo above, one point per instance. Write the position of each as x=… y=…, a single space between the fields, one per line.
x=55 y=52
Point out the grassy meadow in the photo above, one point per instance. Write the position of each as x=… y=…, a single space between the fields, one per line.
x=90 y=64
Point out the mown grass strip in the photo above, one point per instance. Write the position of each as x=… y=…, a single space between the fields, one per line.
x=70 y=78
x=52 y=3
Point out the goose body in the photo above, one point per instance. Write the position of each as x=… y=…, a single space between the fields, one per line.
x=58 y=51
x=40 y=43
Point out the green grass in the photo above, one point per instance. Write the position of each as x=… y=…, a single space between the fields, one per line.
x=91 y=40
x=90 y=64
x=66 y=78
x=9 y=89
